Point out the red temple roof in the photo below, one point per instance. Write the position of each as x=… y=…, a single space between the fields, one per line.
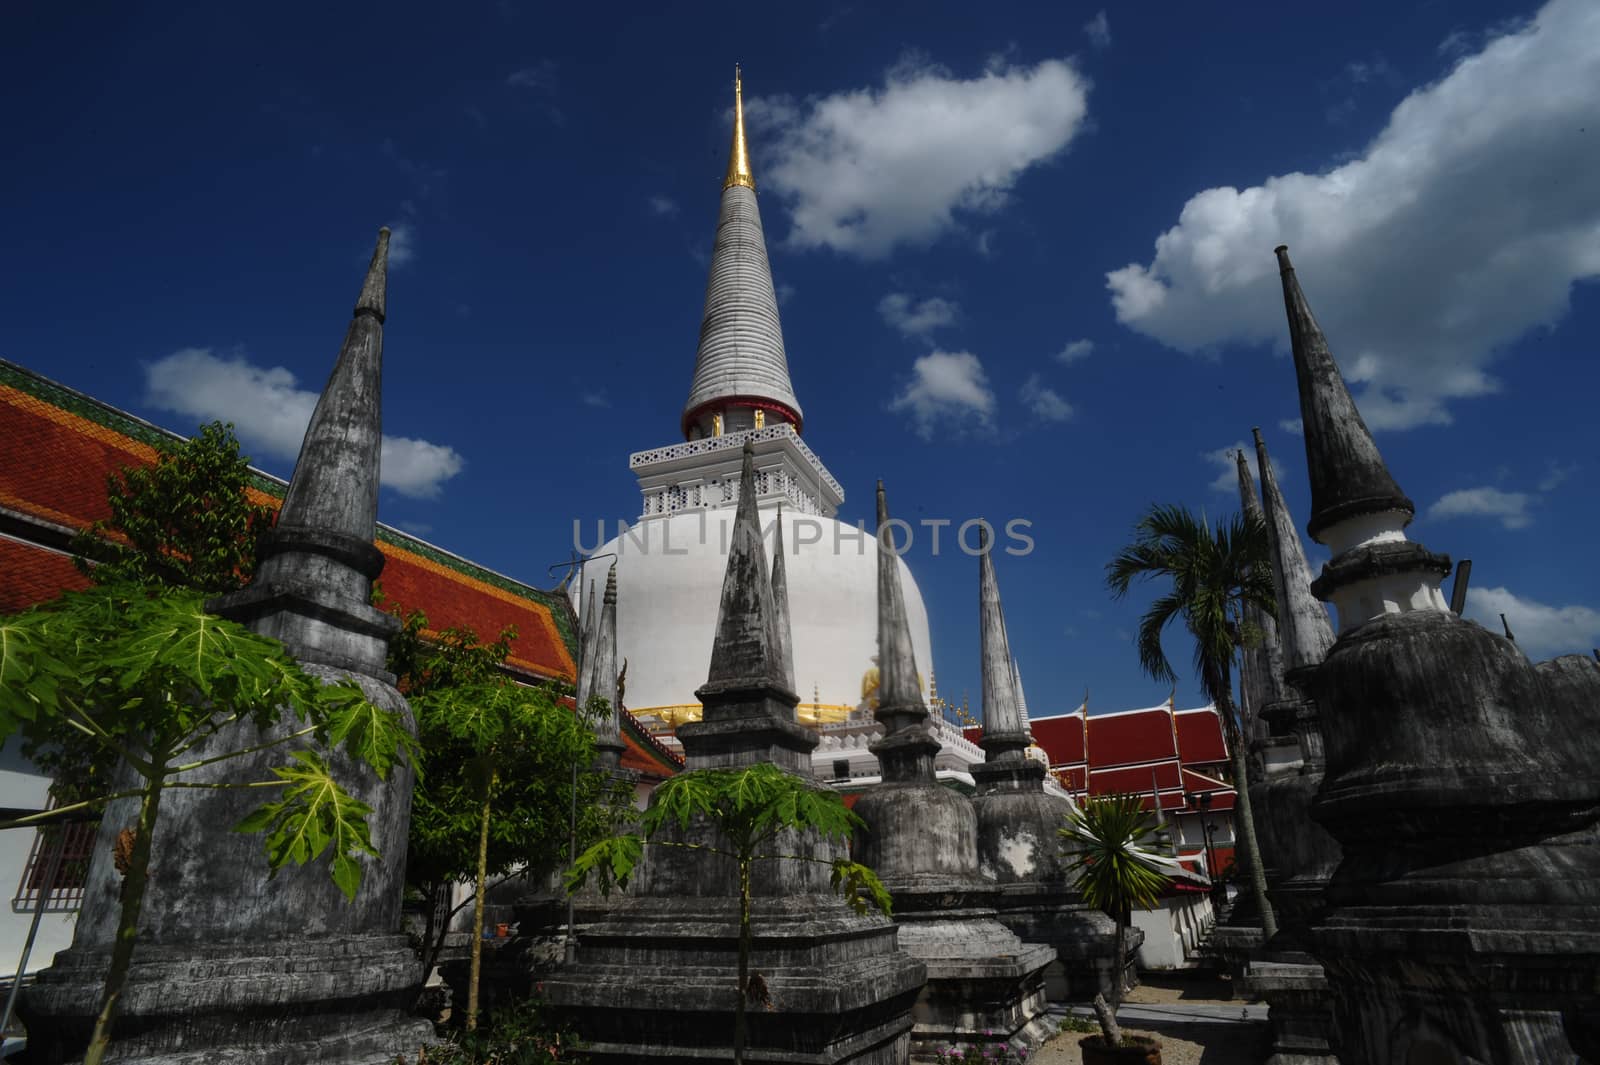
x=61 y=447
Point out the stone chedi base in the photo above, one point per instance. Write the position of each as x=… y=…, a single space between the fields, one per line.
x=985 y=985
x=1019 y=849
x=1300 y=1010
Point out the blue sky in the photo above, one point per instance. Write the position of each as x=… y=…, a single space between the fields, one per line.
x=1025 y=258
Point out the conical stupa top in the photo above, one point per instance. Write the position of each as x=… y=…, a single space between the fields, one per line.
x=898 y=689
x=739 y=172
x=1303 y=623
x=745 y=651
x=1262 y=670
x=603 y=677
x=1022 y=696
x=588 y=633
x=780 y=603
x=741 y=361
x=324 y=535
x=1348 y=475
x=1004 y=729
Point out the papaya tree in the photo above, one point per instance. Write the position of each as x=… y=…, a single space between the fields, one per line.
x=750 y=808
x=148 y=676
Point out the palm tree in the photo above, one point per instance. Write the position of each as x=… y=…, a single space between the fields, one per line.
x=1115 y=874
x=1214 y=574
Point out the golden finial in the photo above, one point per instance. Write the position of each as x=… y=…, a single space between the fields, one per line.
x=739 y=172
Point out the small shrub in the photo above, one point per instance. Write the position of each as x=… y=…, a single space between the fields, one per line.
x=1074 y=1023
x=519 y=1034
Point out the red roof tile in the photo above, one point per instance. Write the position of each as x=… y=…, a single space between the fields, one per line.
x=1131 y=737
x=30 y=575
x=1200 y=736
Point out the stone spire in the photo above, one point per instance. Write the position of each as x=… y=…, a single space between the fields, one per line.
x=1022 y=697
x=603 y=673
x=313 y=588
x=780 y=603
x=1348 y=476
x=741 y=362
x=588 y=632
x=1005 y=730
x=746 y=650
x=1303 y=621
x=907 y=749
x=1262 y=671
x=1357 y=509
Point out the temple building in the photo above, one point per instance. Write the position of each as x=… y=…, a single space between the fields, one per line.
x=670 y=562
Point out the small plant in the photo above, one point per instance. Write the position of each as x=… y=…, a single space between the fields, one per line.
x=1074 y=1023
x=519 y=1034
x=982 y=1054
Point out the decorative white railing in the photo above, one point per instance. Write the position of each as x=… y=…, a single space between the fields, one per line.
x=733 y=441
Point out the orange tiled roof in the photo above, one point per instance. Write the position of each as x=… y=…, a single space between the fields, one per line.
x=61 y=446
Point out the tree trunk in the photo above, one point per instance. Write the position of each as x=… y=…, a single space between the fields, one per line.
x=133 y=885
x=1107 y=1016
x=739 y=1019
x=477 y=906
x=1245 y=829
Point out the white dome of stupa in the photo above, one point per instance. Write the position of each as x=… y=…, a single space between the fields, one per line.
x=669 y=588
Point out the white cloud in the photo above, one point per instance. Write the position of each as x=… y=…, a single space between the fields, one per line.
x=1463 y=225
x=865 y=170
x=1511 y=508
x=540 y=76
x=1078 y=349
x=664 y=206
x=948 y=389
x=1296 y=426
x=1556 y=474
x=270 y=413
x=1045 y=403
x=914 y=319
x=1542 y=631
x=1099 y=30
x=402 y=243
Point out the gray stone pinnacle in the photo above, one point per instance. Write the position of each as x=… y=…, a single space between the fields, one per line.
x=899 y=694
x=1348 y=475
x=603 y=678
x=745 y=651
x=1302 y=620
x=1005 y=733
x=329 y=516
x=589 y=631
x=780 y=603
x=1263 y=661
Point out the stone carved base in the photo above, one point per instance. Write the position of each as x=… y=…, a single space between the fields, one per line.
x=1300 y=1010
x=1083 y=938
x=655 y=980
x=258 y=1004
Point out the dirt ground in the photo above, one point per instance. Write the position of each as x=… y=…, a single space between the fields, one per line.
x=1181 y=1043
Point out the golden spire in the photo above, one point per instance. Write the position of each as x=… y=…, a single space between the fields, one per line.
x=739 y=172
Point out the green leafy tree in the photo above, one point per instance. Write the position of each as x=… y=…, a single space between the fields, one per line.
x=150 y=676
x=504 y=755
x=750 y=809
x=1212 y=573
x=531 y=795
x=185 y=522
x=1114 y=873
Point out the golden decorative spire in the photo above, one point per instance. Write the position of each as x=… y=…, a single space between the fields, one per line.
x=739 y=172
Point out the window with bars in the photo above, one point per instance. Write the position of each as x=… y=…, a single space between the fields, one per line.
x=75 y=843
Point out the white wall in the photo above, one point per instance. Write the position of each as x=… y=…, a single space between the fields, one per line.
x=21 y=786
x=1173 y=929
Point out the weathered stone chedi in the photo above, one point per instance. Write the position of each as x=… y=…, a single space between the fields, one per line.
x=654 y=979
x=1462 y=782
x=231 y=965
x=1019 y=845
x=984 y=983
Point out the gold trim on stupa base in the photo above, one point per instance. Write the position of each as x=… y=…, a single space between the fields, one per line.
x=664 y=719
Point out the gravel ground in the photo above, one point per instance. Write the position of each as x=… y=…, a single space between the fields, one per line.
x=1181 y=1043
